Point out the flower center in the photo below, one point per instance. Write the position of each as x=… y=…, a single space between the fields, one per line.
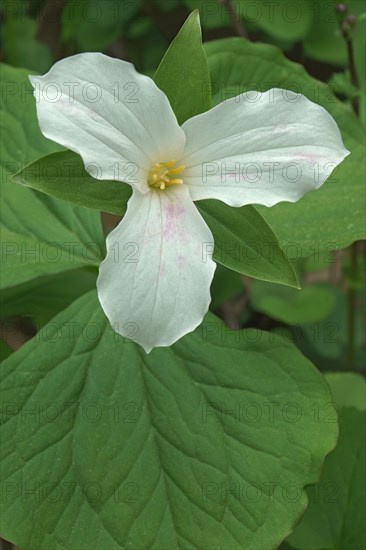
x=162 y=174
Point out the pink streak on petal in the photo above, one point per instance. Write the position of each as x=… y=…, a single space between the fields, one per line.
x=181 y=261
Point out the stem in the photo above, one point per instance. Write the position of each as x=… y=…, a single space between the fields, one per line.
x=346 y=32
x=49 y=28
x=353 y=249
x=353 y=73
x=10 y=56
x=236 y=22
x=347 y=35
x=352 y=308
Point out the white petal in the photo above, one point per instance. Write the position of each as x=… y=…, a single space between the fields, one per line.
x=260 y=149
x=154 y=284
x=118 y=120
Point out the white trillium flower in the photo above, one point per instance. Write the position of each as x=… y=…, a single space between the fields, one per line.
x=154 y=284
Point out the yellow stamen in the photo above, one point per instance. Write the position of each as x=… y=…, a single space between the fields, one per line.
x=177 y=170
x=160 y=175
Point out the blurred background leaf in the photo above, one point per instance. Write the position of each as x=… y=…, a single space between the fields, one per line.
x=337 y=505
x=94 y=26
x=307 y=305
x=22 y=49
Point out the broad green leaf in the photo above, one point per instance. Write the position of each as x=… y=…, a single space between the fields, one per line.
x=174 y=449
x=42 y=298
x=333 y=215
x=341 y=83
x=5 y=350
x=310 y=304
x=183 y=72
x=63 y=175
x=324 y=41
x=40 y=235
x=93 y=26
x=21 y=138
x=325 y=342
x=27 y=52
x=348 y=389
x=335 y=517
x=244 y=241
x=281 y=19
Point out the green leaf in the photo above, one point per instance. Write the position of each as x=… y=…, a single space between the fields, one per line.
x=21 y=138
x=27 y=52
x=5 y=350
x=63 y=175
x=245 y=243
x=40 y=235
x=324 y=41
x=281 y=19
x=93 y=26
x=308 y=305
x=177 y=448
x=325 y=342
x=348 y=389
x=243 y=240
x=337 y=505
x=183 y=72
x=42 y=298
x=237 y=66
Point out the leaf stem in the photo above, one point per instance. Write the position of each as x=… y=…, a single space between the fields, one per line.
x=353 y=247
x=352 y=307
x=236 y=22
x=353 y=73
x=10 y=50
x=346 y=25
